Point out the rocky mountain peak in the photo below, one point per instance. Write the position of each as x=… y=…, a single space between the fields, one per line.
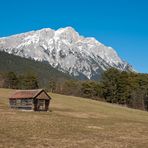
x=65 y=50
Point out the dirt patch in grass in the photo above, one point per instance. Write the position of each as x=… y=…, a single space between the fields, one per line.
x=80 y=114
x=94 y=127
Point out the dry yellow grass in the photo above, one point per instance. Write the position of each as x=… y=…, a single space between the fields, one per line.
x=73 y=123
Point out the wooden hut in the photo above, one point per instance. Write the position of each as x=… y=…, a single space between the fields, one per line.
x=37 y=100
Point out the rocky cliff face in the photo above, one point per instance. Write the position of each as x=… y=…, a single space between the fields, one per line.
x=65 y=50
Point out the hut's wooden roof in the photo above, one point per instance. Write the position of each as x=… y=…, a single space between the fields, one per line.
x=22 y=94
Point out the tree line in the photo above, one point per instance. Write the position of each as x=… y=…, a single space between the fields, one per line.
x=14 y=81
x=125 y=88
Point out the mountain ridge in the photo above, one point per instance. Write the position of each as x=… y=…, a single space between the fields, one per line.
x=65 y=50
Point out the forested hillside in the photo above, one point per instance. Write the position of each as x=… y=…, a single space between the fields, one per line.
x=43 y=71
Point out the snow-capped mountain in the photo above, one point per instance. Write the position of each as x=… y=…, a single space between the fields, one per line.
x=65 y=50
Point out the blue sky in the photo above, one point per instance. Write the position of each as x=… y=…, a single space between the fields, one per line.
x=121 y=24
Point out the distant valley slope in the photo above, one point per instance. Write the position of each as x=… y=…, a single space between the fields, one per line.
x=65 y=50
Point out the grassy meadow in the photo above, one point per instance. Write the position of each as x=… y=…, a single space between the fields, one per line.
x=72 y=122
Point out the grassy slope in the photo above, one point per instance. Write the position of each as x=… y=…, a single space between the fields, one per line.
x=74 y=122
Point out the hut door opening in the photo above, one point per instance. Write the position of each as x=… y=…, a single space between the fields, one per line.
x=41 y=104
